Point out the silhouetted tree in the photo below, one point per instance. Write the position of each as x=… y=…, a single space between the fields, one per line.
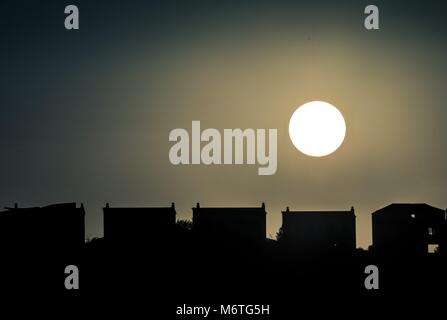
x=280 y=234
x=185 y=224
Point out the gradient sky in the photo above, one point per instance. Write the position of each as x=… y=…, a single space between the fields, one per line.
x=86 y=114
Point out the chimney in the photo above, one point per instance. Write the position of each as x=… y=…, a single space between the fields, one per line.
x=198 y=205
x=172 y=205
x=107 y=205
x=263 y=206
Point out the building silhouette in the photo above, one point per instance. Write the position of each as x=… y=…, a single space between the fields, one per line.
x=43 y=228
x=314 y=249
x=243 y=225
x=313 y=232
x=409 y=229
x=139 y=225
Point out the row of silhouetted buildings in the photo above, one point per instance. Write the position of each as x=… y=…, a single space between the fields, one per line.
x=397 y=228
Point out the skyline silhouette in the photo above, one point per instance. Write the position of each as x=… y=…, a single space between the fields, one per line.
x=314 y=250
x=415 y=228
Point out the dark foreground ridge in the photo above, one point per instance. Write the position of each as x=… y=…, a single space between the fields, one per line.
x=223 y=255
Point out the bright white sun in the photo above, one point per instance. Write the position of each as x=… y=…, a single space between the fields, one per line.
x=317 y=128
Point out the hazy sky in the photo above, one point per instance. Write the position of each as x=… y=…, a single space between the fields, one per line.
x=86 y=114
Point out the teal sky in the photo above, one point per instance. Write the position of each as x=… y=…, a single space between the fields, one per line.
x=86 y=114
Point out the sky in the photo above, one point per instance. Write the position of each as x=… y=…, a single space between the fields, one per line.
x=86 y=114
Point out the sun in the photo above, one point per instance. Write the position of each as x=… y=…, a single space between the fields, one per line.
x=317 y=128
